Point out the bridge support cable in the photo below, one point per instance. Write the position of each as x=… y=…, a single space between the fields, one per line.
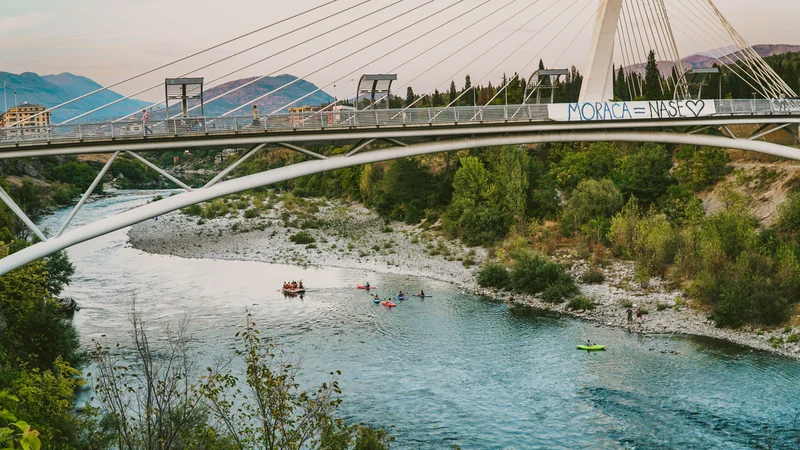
x=380 y=58
x=160 y=171
x=21 y=214
x=531 y=61
x=767 y=70
x=259 y=78
x=298 y=79
x=737 y=55
x=147 y=72
x=174 y=203
x=357 y=51
x=361 y=145
x=302 y=150
x=489 y=72
x=88 y=192
x=451 y=77
x=723 y=59
x=261 y=44
x=451 y=36
x=250 y=153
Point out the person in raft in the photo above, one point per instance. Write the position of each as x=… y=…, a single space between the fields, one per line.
x=300 y=285
x=376 y=297
x=400 y=294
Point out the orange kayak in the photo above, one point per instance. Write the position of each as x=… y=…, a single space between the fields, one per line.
x=389 y=304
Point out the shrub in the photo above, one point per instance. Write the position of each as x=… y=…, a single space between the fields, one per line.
x=793 y=338
x=493 y=275
x=626 y=303
x=592 y=199
x=302 y=238
x=593 y=277
x=251 y=214
x=534 y=273
x=700 y=168
x=661 y=306
x=581 y=303
x=217 y=208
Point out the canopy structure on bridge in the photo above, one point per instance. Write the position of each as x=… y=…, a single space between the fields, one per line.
x=373 y=84
x=698 y=78
x=543 y=80
x=184 y=89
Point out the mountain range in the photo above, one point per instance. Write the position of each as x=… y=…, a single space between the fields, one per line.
x=52 y=90
x=705 y=60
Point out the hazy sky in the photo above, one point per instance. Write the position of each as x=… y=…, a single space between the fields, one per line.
x=111 y=40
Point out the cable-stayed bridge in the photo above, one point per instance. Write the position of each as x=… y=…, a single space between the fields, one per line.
x=422 y=39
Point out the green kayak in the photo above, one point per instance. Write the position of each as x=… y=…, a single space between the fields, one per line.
x=592 y=348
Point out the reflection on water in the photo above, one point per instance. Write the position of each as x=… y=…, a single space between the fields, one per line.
x=451 y=369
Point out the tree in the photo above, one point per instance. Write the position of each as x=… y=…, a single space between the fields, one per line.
x=592 y=199
x=652 y=79
x=453 y=92
x=512 y=184
x=410 y=97
x=645 y=173
x=467 y=87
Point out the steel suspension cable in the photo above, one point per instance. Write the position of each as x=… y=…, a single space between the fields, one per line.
x=385 y=55
x=352 y=53
x=222 y=60
x=481 y=55
x=105 y=88
x=465 y=28
x=508 y=82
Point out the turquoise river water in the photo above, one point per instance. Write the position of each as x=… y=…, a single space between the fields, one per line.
x=453 y=369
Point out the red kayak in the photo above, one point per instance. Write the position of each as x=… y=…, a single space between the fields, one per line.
x=361 y=286
x=389 y=304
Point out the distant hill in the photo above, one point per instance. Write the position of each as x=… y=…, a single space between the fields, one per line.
x=707 y=59
x=51 y=90
x=267 y=104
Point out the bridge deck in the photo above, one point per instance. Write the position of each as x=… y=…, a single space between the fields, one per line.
x=201 y=130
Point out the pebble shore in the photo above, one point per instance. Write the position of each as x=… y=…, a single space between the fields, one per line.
x=350 y=236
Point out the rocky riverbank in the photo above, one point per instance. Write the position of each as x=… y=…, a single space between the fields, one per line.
x=315 y=232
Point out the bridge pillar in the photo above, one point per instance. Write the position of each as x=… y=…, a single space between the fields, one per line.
x=598 y=81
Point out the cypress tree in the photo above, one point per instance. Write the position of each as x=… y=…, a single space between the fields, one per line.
x=652 y=78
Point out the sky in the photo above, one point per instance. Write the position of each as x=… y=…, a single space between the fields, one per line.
x=110 y=41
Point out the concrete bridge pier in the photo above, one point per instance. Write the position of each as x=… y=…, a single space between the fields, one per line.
x=598 y=81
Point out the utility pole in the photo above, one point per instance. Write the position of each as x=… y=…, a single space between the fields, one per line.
x=5 y=98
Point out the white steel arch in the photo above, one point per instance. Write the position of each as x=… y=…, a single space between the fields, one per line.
x=221 y=189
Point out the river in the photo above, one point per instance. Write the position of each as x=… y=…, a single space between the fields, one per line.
x=453 y=369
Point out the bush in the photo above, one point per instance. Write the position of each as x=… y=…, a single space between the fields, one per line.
x=593 y=277
x=700 y=168
x=581 y=303
x=493 y=275
x=793 y=338
x=216 y=208
x=193 y=210
x=534 y=273
x=302 y=238
x=250 y=214
x=592 y=199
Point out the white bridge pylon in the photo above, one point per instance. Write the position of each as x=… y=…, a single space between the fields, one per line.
x=167 y=205
x=598 y=82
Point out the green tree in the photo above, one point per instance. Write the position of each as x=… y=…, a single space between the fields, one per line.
x=645 y=173
x=511 y=184
x=700 y=168
x=410 y=97
x=453 y=92
x=592 y=199
x=652 y=79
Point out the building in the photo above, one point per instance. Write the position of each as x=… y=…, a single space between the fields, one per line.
x=22 y=113
x=310 y=116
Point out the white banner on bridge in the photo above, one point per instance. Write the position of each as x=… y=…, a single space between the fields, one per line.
x=610 y=111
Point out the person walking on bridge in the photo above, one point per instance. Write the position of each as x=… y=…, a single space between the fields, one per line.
x=145 y=118
x=255 y=115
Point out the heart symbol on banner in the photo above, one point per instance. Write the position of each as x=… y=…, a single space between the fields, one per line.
x=696 y=106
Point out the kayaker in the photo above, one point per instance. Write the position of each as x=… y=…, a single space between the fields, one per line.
x=367 y=285
x=588 y=343
x=400 y=294
x=421 y=293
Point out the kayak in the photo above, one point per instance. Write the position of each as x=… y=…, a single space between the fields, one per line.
x=365 y=287
x=389 y=304
x=592 y=348
x=293 y=291
x=376 y=300
x=401 y=297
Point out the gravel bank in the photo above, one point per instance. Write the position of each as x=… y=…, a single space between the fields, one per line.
x=347 y=235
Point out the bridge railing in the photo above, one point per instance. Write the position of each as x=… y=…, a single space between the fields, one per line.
x=332 y=120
